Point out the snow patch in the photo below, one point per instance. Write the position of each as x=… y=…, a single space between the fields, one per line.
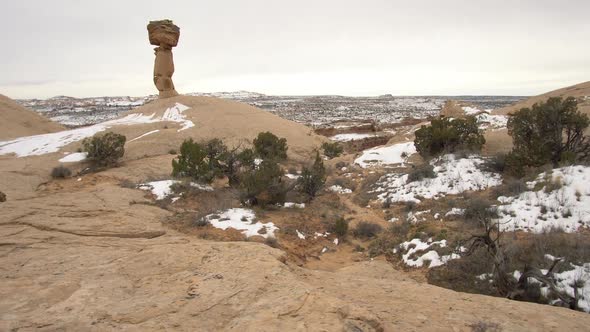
x=48 y=143
x=416 y=245
x=144 y=135
x=567 y=207
x=300 y=235
x=294 y=205
x=243 y=220
x=174 y=114
x=74 y=157
x=161 y=189
x=453 y=176
x=387 y=155
x=339 y=189
x=351 y=137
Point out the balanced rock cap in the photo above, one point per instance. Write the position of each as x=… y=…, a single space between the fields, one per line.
x=163 y=33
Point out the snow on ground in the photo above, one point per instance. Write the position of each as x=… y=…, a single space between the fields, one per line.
x=455 y=212
x=300 y=235
x=489 y=121
x=74 y=157
x=486 y=120
x=161 y=189
x=294 y=205
x=292 y=176
x=243 y=220
x=453 y=176
x=144 y=135
x=351 y=137
x=174 y=114
x=564 y=282
x=48 y=143
x=567 y=207
x=339 y=189
x=387 y=155
x=415 y=246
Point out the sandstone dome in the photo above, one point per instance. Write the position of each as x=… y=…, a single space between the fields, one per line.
x=17 y=121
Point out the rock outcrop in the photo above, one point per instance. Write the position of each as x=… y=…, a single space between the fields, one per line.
x=452 y=109
x=17 y=121
x=165 y=35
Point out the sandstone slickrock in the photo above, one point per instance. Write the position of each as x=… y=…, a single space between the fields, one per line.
x=17 y=120
x=165 y=35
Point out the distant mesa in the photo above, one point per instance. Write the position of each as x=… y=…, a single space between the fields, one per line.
x=165 y=35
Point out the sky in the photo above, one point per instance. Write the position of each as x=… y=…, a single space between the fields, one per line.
x=370 y=47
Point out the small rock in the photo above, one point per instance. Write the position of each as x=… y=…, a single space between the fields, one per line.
x=2 y=197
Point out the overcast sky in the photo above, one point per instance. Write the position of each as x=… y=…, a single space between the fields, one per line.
x=369 y=47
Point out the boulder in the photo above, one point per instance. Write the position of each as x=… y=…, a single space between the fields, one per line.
x=163 y=33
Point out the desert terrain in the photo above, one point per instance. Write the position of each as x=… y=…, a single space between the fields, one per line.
x=119 y=249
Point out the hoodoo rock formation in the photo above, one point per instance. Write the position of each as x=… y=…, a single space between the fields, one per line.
x=165 y=35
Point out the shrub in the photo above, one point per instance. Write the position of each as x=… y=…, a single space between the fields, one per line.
x=332 y=150
x=479 y=210
x=200 y=221
x=235 y=162
x=340 y=227
x=420 y=172
x=104 y=149
x=172 y=151
x=511 y=187
x=262 y=185
x=271 y=242
x=366 y=230
x=446 y=136
x=312 y=179
x=2 y=197
x=496 y=163
x=61 y=172
x=268 y=146
x=192 y=162
x=550 y=132
x=216 y=151
x=341 y=164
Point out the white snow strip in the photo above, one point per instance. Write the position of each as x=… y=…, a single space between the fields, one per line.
x=336 y=241
x=161 y=189
x=388 y=155
x=174 y=114
x=485 y=120
x=292 y=176
x=48 y=143
x=351 y=137
x=455 y=212
x=416 y=245
x=74 y=157
x=339 y=189
x=294 y=205
x=453 y=176
x=144 y=135
x=243 y=220
x=300 y=235
x=567 y=207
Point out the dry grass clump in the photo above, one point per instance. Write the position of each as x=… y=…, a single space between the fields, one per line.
x=61 y=172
